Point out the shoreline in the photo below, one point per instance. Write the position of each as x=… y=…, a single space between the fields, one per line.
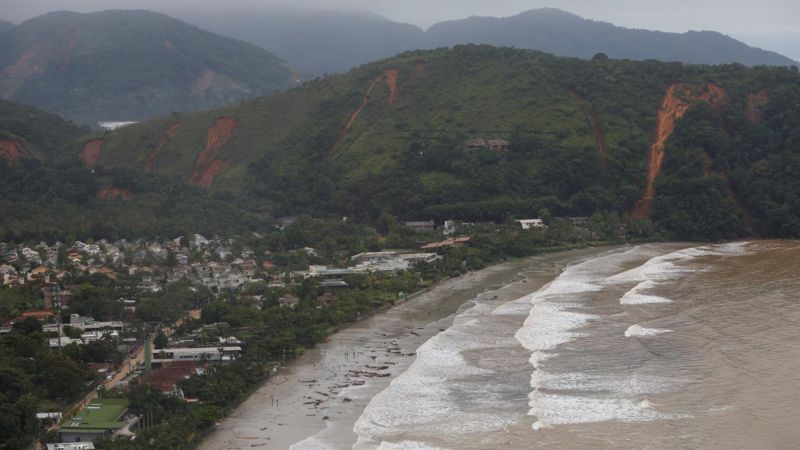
x=323 y=392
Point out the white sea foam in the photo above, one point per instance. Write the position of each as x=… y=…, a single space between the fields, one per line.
x=311 y=443
x=636 y=297
x=664 y=268
x=553 y=409
x=638 y=330
x=553 y=318
x=556 y=319
x=408 y=445
x=420 y=398
x=619 y=384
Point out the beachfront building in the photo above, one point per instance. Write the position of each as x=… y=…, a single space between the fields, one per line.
x=103 y=416
x=528 y=224
x=71 y=446
x=222 y=354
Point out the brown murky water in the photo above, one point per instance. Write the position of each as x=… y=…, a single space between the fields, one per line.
x=654 y=346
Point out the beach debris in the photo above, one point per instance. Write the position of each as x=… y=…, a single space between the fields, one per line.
x=347 y=399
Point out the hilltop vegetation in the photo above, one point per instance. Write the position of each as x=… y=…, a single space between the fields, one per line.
x=30 y=132
x=391 y=137
x=703 y=152
x=129 y=65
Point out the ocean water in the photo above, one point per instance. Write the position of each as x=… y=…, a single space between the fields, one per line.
x=652 y=346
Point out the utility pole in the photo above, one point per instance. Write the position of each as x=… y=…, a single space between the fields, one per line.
x=58 y=311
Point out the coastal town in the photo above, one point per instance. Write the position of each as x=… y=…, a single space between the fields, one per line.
x=146 y=312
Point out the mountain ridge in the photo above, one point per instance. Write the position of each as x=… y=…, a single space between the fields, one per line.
x=572 y=137
x=128 y=65
x=345 y=41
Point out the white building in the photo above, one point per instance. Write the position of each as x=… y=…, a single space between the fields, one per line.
x=212 y=354
x=527 y=224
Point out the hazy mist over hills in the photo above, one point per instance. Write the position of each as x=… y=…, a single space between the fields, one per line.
x=130 y=65
x=336 y=41
x=768 y=24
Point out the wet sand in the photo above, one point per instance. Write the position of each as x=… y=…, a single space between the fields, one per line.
x=316 y=400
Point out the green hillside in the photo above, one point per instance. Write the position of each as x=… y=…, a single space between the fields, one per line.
x=27 y=132
x=129 y=65
x=581 y=135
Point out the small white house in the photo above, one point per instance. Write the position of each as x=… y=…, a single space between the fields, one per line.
x=527 y=224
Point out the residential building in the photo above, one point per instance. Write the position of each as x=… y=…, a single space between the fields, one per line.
x=528 y=224
x=71 y=446
x=428 y=225
x=211 y=354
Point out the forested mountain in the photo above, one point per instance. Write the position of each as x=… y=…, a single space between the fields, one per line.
x=334 y=42
x=319 y=43
x=129 y=65
x=27 y=132
x=561 y=33
x=480 y=133
x=5 y=26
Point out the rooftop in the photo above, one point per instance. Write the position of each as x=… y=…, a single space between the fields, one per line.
x=71 y=446
x=100 y=414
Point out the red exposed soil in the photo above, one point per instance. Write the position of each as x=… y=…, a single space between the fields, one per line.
x=673 y=108
x=391 y=76
x=25 y=66
x=597 y=129
x=202 y=84
x=91 y=152
x=713 y=95
x=111 y=193
x=168 y=136
x=754 y=102
x=599 y=136
x=208 y=165
x=391 y=80
x=354 y=114
x=10 y=150
x=207 y=179
x=72 y=44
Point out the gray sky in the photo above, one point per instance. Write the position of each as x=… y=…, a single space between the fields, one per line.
x=770 y=24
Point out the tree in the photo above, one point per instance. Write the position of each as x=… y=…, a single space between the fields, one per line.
x=29 y=325
x=160 y=341
x=386 y=223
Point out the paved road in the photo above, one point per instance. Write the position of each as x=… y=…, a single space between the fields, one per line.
x=132 y=362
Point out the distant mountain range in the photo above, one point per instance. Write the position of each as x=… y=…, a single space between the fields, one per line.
x=318 y=43
x=129 y=65
x=335 y=42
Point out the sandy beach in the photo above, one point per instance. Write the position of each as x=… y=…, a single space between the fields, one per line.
x=315 y=401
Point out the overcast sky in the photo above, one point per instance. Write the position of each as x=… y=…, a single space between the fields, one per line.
x=770 y=24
